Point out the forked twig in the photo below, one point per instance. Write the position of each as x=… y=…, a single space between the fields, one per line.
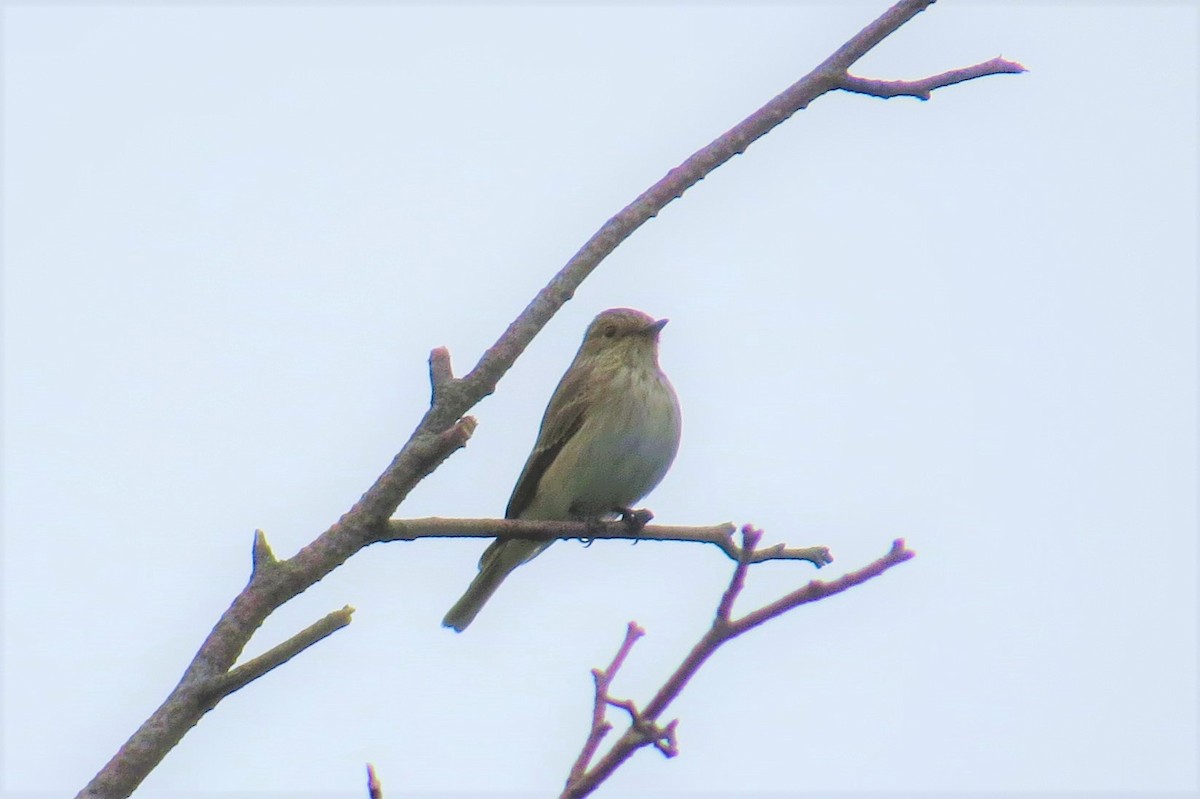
x=644 y=729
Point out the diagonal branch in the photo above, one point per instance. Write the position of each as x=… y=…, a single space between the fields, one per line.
x=276 y=656
x=272 y=582
x=644 y=729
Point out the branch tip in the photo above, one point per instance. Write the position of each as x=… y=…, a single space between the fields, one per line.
x=276 y=656
x=750 y=538
x=668 y=744
x=821 y=556
x=441 y=373
x=374 y=788
x=463 y=429
x=261 y=554
x=900 y=551
x=923 y=87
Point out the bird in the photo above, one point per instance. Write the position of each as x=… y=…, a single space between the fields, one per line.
x=607 y=438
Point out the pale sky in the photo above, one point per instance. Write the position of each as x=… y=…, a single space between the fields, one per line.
x=232 y=235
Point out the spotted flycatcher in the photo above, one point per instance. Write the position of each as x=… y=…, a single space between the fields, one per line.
x=608 y=436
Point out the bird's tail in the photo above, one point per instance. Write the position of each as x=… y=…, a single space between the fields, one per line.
x=498 y=561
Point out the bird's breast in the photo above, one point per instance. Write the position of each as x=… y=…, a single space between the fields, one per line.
x=623 y=448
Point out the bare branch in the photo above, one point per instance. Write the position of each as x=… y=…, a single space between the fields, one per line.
x=444 y=427
x=750 y=539
x=720 y=535
x=251 y=670
x=644 y=729
x=922 y=88
x=818 y=589
x=262 y=557
x=640 y=727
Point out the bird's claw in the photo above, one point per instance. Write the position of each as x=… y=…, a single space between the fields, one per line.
x=635 y=520
x=593 y=525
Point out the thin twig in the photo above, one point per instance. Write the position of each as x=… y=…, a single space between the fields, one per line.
x=276 y=656
x=818 y=589
x=603 y=679
x=441 y=374
x=750 y=539
x=922 y=89
x=643 y=729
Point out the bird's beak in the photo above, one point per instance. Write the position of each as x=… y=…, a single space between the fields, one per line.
x=654 y=328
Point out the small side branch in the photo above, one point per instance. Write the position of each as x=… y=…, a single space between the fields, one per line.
x=276 y=656
x=441 y=375
x=923 y=88
x=819 y=589
x=262 y=556
x=725 y=629
x=750 y=539
x=603 y=679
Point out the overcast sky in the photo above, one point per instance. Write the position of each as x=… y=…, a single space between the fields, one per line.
x=233 y=234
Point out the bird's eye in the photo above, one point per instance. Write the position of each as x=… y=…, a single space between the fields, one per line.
x=610 y=331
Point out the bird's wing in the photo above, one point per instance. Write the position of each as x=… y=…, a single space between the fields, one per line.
x=563 y=418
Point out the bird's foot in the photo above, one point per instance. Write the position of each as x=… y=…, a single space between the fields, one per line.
x=592 y=526
x=634 y=520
